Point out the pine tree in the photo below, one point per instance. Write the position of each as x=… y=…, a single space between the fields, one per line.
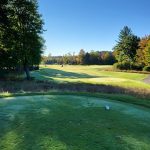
x=127 y=45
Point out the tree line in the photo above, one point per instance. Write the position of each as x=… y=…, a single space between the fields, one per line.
x=83 y=58
x=130 y=53
x=21 y=42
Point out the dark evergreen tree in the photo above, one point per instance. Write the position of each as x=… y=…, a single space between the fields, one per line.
x=87 y=59
x=127 y=45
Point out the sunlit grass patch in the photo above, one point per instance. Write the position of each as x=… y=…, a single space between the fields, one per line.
x=91 y=75
x=5 y=94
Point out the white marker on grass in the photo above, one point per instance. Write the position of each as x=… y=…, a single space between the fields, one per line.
x=107 y=107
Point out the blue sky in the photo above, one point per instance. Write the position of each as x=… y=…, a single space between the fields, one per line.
x=91 y=24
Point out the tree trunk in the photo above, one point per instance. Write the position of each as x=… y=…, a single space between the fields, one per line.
x=26 y=69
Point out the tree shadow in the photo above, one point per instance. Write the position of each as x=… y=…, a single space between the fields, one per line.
x=63 y=74
x=52 y=84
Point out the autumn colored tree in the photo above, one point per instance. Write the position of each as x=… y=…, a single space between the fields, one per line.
x=140 y=55
x=147 y=54
x=107 y=58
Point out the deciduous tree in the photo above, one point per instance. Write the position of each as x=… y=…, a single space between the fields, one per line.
x=21 y=38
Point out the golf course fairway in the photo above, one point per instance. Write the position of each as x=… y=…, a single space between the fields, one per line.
x=71 y=122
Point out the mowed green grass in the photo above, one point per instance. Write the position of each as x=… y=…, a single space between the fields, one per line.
x=91 y=75
x=71 y=122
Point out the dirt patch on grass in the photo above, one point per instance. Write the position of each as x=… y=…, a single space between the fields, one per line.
x=147 y=80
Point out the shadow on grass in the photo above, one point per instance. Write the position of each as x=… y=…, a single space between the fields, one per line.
x=47 y=125
x=46 y=86
x=63 y=74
